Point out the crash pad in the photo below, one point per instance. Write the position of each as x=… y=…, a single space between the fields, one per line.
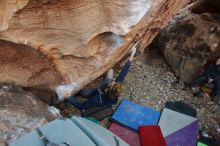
x=181 y=107
x=98 y=113
x=178 y=128
x=133 y=115
x=103 y=133
x=93 y=120
x=201 y=144
x=151 y=136
x=74 y=131
x=127 y=135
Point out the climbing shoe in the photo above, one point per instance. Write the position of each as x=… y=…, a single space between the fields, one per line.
x=198 y=94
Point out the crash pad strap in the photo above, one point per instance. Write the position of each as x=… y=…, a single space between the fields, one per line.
x=46 y=140
x=42 y=137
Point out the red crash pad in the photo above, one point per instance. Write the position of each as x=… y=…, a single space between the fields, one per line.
x=151 y=136
x=128 y=136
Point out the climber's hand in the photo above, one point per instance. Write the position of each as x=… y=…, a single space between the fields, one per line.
x=210 y=80
x=110 y=74
x=66 y=94
x=133 y=51
x=64 y=91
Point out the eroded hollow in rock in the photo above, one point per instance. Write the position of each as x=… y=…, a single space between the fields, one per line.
x=82 y=61
x=26 y=66
x=33 y=70
x=87 y=62
x=105 y=43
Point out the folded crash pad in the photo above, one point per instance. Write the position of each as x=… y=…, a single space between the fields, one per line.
x=133 y=115
x=110 y=138
x=181 y=107
x=74 y=131
x=178 y=129
x=127 y=135
x=151 y=136
x=98 y=113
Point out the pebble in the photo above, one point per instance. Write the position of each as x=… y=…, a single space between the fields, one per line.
x=205 y=134
x=155 y=85
x=210 y=102
x=218 y=130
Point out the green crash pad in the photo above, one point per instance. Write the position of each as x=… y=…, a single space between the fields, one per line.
x=201 y=144
x=93 y=120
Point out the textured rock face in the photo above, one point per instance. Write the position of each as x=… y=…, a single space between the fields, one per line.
x=204 y=6
x=80 y=39
x=189 y=41
x=20 y=113
x=26 y=66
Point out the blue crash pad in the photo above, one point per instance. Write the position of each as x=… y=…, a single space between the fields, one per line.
x=133 y=115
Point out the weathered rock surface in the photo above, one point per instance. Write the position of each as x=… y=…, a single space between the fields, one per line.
x=204 y=6
x=189 y=41
x=20 y=113
x=80 y=39
x=26 y=66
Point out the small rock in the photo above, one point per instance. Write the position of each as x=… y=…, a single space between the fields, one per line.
x=218 y=130
x=210 y=103
x=204 y=134
x=5 y=87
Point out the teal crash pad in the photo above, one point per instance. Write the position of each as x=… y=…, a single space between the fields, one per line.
x=76 y=131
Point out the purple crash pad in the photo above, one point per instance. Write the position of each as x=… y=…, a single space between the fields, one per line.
x=184 y=137
x=128 y=136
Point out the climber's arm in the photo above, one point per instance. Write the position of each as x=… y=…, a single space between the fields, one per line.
x=127 y=66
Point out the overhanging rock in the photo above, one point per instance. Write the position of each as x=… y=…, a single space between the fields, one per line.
x=80 y=39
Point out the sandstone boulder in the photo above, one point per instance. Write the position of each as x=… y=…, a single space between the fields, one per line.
x=189 y=42
x=75 y=41
x=204 y=6
x=20 y=113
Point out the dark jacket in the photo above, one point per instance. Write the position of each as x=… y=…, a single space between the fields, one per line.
x=213 y=71
x=105 y=99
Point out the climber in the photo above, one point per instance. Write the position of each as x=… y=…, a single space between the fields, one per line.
x=108 y=92
x=211 y=76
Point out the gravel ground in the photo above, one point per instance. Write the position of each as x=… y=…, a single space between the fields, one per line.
x=151 y=83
